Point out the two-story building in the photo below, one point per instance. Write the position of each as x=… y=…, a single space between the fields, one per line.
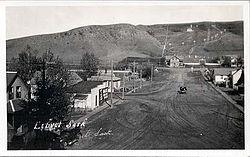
x=16 y=87
x=17 y=93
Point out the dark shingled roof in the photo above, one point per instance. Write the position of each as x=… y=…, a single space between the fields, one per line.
x=81 y=96
x=83 y=87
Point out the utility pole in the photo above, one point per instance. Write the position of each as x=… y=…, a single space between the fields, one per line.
x=152 y=70
x=140 y=78
x=165 y=44
x=123 y=86
x=111 y=94
x=134 y=78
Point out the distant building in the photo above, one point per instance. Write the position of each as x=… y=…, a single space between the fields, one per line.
x=16 y=87
x=202 y=61
x=174 y=61
x=190 y=29
x=231 y=58
x=221 y=76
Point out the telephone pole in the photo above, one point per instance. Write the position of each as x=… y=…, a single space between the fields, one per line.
x=140 y=78
x=111 y=93
x=134 y=78
x=152 y=70
x=123 y=86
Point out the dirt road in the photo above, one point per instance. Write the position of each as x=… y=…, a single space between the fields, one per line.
x=200 y=119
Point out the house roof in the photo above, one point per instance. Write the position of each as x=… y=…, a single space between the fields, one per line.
x=241 y=79
x=222 y=71
x=103 y=78
x=81 y=96
x=83 y=87
x=11 y=77
x=74 y=78
x=15 y=105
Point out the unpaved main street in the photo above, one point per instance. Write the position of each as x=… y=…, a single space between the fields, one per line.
x=164 y=119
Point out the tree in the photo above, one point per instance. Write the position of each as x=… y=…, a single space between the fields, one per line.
x=89 y=63
x=146 y=70
x=240 y=61
x=52 y=101
x=163 y=61
x=226 y=62
x=26 y=64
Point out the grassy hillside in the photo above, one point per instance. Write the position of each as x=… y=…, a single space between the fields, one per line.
x=124 y=40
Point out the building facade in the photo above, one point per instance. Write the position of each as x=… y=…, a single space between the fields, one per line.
x=88 y=95
x=16 y=87
x=174 y=61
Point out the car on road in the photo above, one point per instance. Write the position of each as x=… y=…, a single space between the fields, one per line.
x=183 y=90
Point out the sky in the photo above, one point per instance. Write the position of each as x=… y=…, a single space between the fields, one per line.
x=33 y=20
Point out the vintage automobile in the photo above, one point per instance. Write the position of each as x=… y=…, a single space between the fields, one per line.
x=183 y=90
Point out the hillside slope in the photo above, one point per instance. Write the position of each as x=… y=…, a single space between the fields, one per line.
x=125 y=40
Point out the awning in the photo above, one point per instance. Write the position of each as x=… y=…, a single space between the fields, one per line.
x=14 y=105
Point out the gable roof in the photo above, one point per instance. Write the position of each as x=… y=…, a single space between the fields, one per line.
x=83 y=87
x=11 y=77
x=241 y=79
x=74 y=78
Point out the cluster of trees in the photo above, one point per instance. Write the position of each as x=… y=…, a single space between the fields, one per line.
x=51 y=100
x=48 y=75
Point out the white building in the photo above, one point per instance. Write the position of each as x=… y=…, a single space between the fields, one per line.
x=221 y=76
x=190 y=29
x=88 y=95
x=174 y=61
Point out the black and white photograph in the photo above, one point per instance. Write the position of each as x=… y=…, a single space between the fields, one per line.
x=125 y=76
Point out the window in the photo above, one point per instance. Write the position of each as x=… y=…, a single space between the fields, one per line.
x=11 y=93
x=96 y=100
x=18 y=91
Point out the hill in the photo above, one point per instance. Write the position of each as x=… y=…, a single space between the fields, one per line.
x=119 y=41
